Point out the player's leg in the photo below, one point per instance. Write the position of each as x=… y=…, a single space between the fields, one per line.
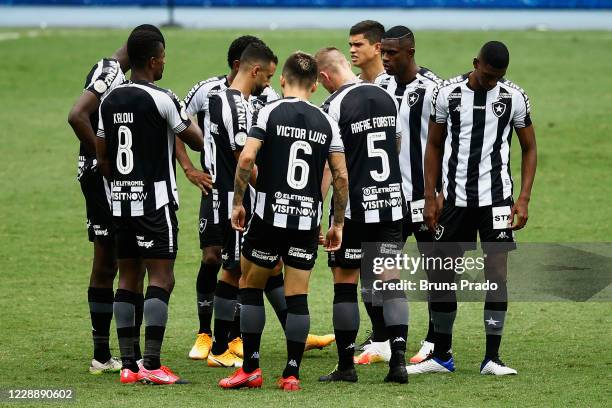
x=275 y=293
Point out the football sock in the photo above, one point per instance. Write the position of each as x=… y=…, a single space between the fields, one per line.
x=235 y=329
x=138 y=315
x=430 y=327
x=494 y=318
x=443 y=316
x=101 y=313
x=346 y=322
x=225 y=309
x=296 y=332
x=155 y=317
x=395 y=312
x=275 y=292
x=205 y=289
x=252 y=322
x=123 y=309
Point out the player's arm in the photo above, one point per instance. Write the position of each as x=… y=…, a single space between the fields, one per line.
x=339 y=176
x=192 y=137
x=78 y=118
x=104 y=163
x=244 y=170
x=529 y=159
x=433 y=161
x=326 y=181
x=199 y=178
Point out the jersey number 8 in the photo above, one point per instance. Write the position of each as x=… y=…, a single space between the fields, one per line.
x=125 y=156
x=295 y=164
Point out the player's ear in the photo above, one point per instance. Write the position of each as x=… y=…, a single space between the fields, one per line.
x=282 y=81
x=313 y=88
x=475 y=63
x=377 y=48
x=255 y=70
x=236 y=65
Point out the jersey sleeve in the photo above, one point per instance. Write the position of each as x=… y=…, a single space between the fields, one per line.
x=522 y=111
x=260 y=123
x=336 y=145
x=100 y=132
x=398 y=123
x=105 y=78
x=173 y=111
x=439 y=105
x=196 y=99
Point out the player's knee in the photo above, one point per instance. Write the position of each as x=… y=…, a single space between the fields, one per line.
x=211 y=256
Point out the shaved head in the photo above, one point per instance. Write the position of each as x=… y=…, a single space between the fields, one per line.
x=331 y=59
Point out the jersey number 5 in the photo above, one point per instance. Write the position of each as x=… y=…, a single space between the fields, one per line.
x=125 y=156
x=295 y=164
x=383 y=174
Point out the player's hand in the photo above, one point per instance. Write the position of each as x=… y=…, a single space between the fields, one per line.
x=520 y=211
x=333 y=239
x=238 y=218
x=201 y=180
x=440 y=202
x=431 y=213
x=321 y=237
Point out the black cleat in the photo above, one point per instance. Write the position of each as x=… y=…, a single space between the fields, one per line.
x=348 y=375
x=397 y=374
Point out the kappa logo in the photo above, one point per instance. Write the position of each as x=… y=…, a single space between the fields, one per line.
x=503 y=235
x=439 y=232
x=400 y=339
x=350 y=346
x=203 y=222
x=499 y=108
x=292 y=363
x=423 y=228
x=413 y=97
x=255 y=355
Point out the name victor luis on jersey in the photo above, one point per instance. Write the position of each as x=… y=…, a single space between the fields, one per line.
x=301 y=134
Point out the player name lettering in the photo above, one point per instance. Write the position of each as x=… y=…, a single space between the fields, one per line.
x=123 y=117
x=300 y=133
x=377 y=122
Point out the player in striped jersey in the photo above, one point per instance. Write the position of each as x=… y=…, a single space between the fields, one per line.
x=418 y=84
x=105 y=75
x=230 y=121
x=473 y=115
x=364 y=43
x=290 y=139
x=135 y=151
x=211 y=239
x=367 y=116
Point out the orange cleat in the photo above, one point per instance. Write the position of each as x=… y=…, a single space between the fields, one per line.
x=128 y=376
x=240 y=379
x=161 y=376
x=289 y=384
x=318 y=342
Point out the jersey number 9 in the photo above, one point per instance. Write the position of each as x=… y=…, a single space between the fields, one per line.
x=125 y=156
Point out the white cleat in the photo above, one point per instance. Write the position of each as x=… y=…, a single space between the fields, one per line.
x=495 y=367
x=111 y=366
x=426 y=349
x=432 y=365
x=376 y=351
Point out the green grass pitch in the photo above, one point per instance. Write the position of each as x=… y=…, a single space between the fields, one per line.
x=562 y=350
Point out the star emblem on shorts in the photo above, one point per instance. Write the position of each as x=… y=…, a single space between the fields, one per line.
x=492 y=322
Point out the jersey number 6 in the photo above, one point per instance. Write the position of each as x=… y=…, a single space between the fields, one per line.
x=295 y=164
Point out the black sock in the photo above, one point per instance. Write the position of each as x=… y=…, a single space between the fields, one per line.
x=493 y=343
x=443 y=343
x=123 y=308
x=235 y=329
x=396 y=319
x=430 y=328
x=225 y=310
x=494 y=318
x=138 y=312
x=253 y=322
x=205 y=289
x=346 y=322
x=275 y=292
x=101 y=313
x=156 y=317
x=379 y=330
x=296 y=332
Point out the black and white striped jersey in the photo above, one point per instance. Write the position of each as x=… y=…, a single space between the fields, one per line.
x=389 y=83
x=297 y=139
x=230 y=121
x=475 y=166
x=367 y=117
x=103 y=77
x=139 y=121
x=379 y=78
x=415 y=111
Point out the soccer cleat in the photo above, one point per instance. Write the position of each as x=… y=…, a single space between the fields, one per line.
x=201 y=348
x=495 y=367
x=318 y=342
x=127 y=376
x=397 y=374
x=426 y=349
x=161 y=376
x=113 y=365
x=374 y=352
x=367 y=341
x=227 y=359
x=348 y=375
x=235 y=346
x=140 y=363
x=241 y=379
x=289 y=384
x=432 y=365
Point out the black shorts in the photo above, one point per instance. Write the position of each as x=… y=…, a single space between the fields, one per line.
x=413 y=224
x=355 y=233
x=151 y=236
x=97 y=193
x=461 y=224
x=211 y=234
x=265 y=244
x=232 y=245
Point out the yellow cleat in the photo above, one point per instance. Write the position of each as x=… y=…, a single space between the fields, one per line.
x=235 y=346
x=227 y=359
x=201 y=348
x=318 y=342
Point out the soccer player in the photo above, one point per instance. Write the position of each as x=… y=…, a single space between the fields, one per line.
x=418 y=84
x=473 y=115
x=367 y=116
x=364 y=43
x=135 y=152
x=291 y=140
x=211 y=239
x=230 y=121
x=105 y=75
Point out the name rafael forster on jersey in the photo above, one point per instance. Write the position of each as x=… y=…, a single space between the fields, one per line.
x=372 y=123
x=301 y=134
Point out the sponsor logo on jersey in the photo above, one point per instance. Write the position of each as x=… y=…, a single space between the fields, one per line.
x=293 y=210
x=350 y=253
x=140 y=241
x=454 y=95
x=99 y=231
x=264 y=256
x=300 y=253
x=296 y=197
